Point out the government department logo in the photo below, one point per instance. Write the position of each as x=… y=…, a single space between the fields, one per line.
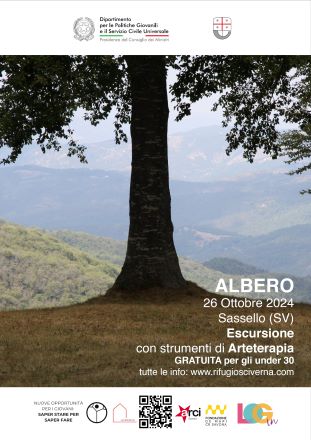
x=222 y=27
x=84 y=29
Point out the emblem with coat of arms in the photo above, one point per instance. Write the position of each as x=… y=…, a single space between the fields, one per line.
x=222 y=27
x=84 y=29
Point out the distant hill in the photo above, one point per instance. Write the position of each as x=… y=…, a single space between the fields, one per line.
x=42 y=269
x=195 y=155
x=83 y=200
x=37 y=270
x=233 y=267
x=260 y=220
x=206 y=277
x=286 y=250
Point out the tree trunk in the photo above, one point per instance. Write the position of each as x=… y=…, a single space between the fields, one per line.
x=151 y=259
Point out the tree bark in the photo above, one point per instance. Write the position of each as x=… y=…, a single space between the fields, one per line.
x=151 y=259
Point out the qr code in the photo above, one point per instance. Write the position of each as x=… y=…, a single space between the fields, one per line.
x=155 y=411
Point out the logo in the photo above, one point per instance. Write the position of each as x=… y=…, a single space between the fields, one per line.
x=216 y=409
x=84 y=29
x=119 y=414
x=96 y=412
x=185 y=413
x=255 y=413
x=222 y=27
x=214 y=415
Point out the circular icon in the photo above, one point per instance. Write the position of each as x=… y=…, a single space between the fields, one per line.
x=96 y=412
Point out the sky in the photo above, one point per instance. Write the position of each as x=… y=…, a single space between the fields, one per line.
x=201 y=116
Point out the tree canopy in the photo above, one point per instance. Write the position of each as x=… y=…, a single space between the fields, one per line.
x=40 y=94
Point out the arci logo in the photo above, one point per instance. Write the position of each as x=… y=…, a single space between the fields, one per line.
x=222 y=27
x=84 y=29
x=256 y=413
x=187 y=413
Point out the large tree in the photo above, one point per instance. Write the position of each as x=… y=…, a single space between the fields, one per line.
x=39 y=96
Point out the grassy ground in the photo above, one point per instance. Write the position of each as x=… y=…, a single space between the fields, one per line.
x=93 y=344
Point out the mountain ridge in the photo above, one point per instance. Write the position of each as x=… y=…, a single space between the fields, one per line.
x=194 y=155
x=40 y=269
x=96 y=202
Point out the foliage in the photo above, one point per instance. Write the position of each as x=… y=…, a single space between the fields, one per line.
x=40 y=94
x=256 y=94
x=102 y=248
x=296 y=146
x=37 y=270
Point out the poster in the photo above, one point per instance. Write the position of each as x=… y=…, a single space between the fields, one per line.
x=155 y=272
